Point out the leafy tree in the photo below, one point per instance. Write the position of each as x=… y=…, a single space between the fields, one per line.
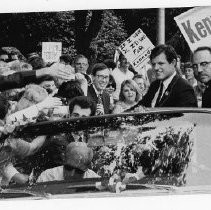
x=88 y=32
x=110 y=36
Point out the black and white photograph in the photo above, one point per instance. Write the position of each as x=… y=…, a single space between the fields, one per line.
x=105 y=104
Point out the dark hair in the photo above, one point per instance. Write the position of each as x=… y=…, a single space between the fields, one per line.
x=138 y=76
x=168 y=50
x=4 y=106
x=98 y=67
x=3 y=52
x=112 y=82
x=66 y=58
x=187 y=65
x=121 y=57
x=110 y=63
x=37 y=63
x=200 y=49
x=84 y=102
x=79 y=56
x=70 y=89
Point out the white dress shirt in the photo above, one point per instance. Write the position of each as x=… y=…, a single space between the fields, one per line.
x=165 y=86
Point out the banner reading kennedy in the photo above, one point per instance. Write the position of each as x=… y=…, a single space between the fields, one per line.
x=195 y=26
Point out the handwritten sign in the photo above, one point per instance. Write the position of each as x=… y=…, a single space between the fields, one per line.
x=195 y=25
x=137 y=49
x=51 y=51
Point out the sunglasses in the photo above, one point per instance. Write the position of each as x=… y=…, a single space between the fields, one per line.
x=110 y=85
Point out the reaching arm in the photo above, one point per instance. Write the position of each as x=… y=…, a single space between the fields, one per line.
x=20 y=79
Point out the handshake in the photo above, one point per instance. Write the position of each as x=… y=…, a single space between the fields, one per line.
x=63 y=73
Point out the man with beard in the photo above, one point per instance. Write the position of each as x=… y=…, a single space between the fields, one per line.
x=202 y=68
x=96 y=91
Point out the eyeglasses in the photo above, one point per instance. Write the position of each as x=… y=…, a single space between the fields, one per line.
x=202 y=65
x=101 y=77
x=110 y=85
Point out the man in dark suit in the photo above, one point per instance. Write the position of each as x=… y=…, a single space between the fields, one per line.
x=202 y=69
x=96 y=91
x=169 y=89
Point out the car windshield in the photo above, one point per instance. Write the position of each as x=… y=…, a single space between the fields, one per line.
x=163 y=149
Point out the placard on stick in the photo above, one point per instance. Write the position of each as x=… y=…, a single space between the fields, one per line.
x=137 y=49
x=51 y=51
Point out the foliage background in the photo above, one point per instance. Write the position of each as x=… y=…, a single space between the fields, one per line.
x=95 y=33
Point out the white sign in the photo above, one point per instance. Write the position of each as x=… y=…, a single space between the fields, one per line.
x=195 y=25
x=51 y=51
x=137 y=49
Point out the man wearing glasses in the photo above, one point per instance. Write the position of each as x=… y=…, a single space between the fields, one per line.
x=96 y=91
x=81 y=65
x=201 y=59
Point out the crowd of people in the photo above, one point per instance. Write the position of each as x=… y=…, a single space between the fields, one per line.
x=34 y=90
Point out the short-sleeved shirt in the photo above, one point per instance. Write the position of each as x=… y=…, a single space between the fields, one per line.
x=57 y=174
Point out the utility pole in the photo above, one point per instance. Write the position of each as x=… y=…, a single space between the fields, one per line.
x=161 y=26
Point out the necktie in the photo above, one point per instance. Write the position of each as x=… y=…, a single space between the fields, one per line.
x=100 y=102
x=159 y=95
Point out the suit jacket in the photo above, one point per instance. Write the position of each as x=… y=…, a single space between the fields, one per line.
x=105 y=98
x=206 y=97
x=17 y=80
x=178 y=94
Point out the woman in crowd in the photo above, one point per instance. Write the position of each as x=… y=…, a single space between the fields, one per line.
x=197 y=86
x=129 y=95
x=189 y=74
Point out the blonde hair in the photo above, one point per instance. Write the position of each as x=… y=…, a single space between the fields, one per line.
x=33 y=94
x=133 y=84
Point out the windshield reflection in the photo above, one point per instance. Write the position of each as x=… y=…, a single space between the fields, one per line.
x=166 y=148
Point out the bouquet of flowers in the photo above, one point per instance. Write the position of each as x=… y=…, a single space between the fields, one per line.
x=163 y=152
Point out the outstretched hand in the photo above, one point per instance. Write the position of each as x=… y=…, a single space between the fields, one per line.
x=60 y=71
x=49 y=102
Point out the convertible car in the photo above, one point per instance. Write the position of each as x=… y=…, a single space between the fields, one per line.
x=171 y=148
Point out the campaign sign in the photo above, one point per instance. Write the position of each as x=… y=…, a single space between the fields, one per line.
x=195 y=25
x=137 y=49
x=51 y=51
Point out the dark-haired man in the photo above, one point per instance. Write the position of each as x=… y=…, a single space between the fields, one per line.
x=169 y=89
x=54 y=150
x=96 y=91
x=82 y=106
x=202 y=68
